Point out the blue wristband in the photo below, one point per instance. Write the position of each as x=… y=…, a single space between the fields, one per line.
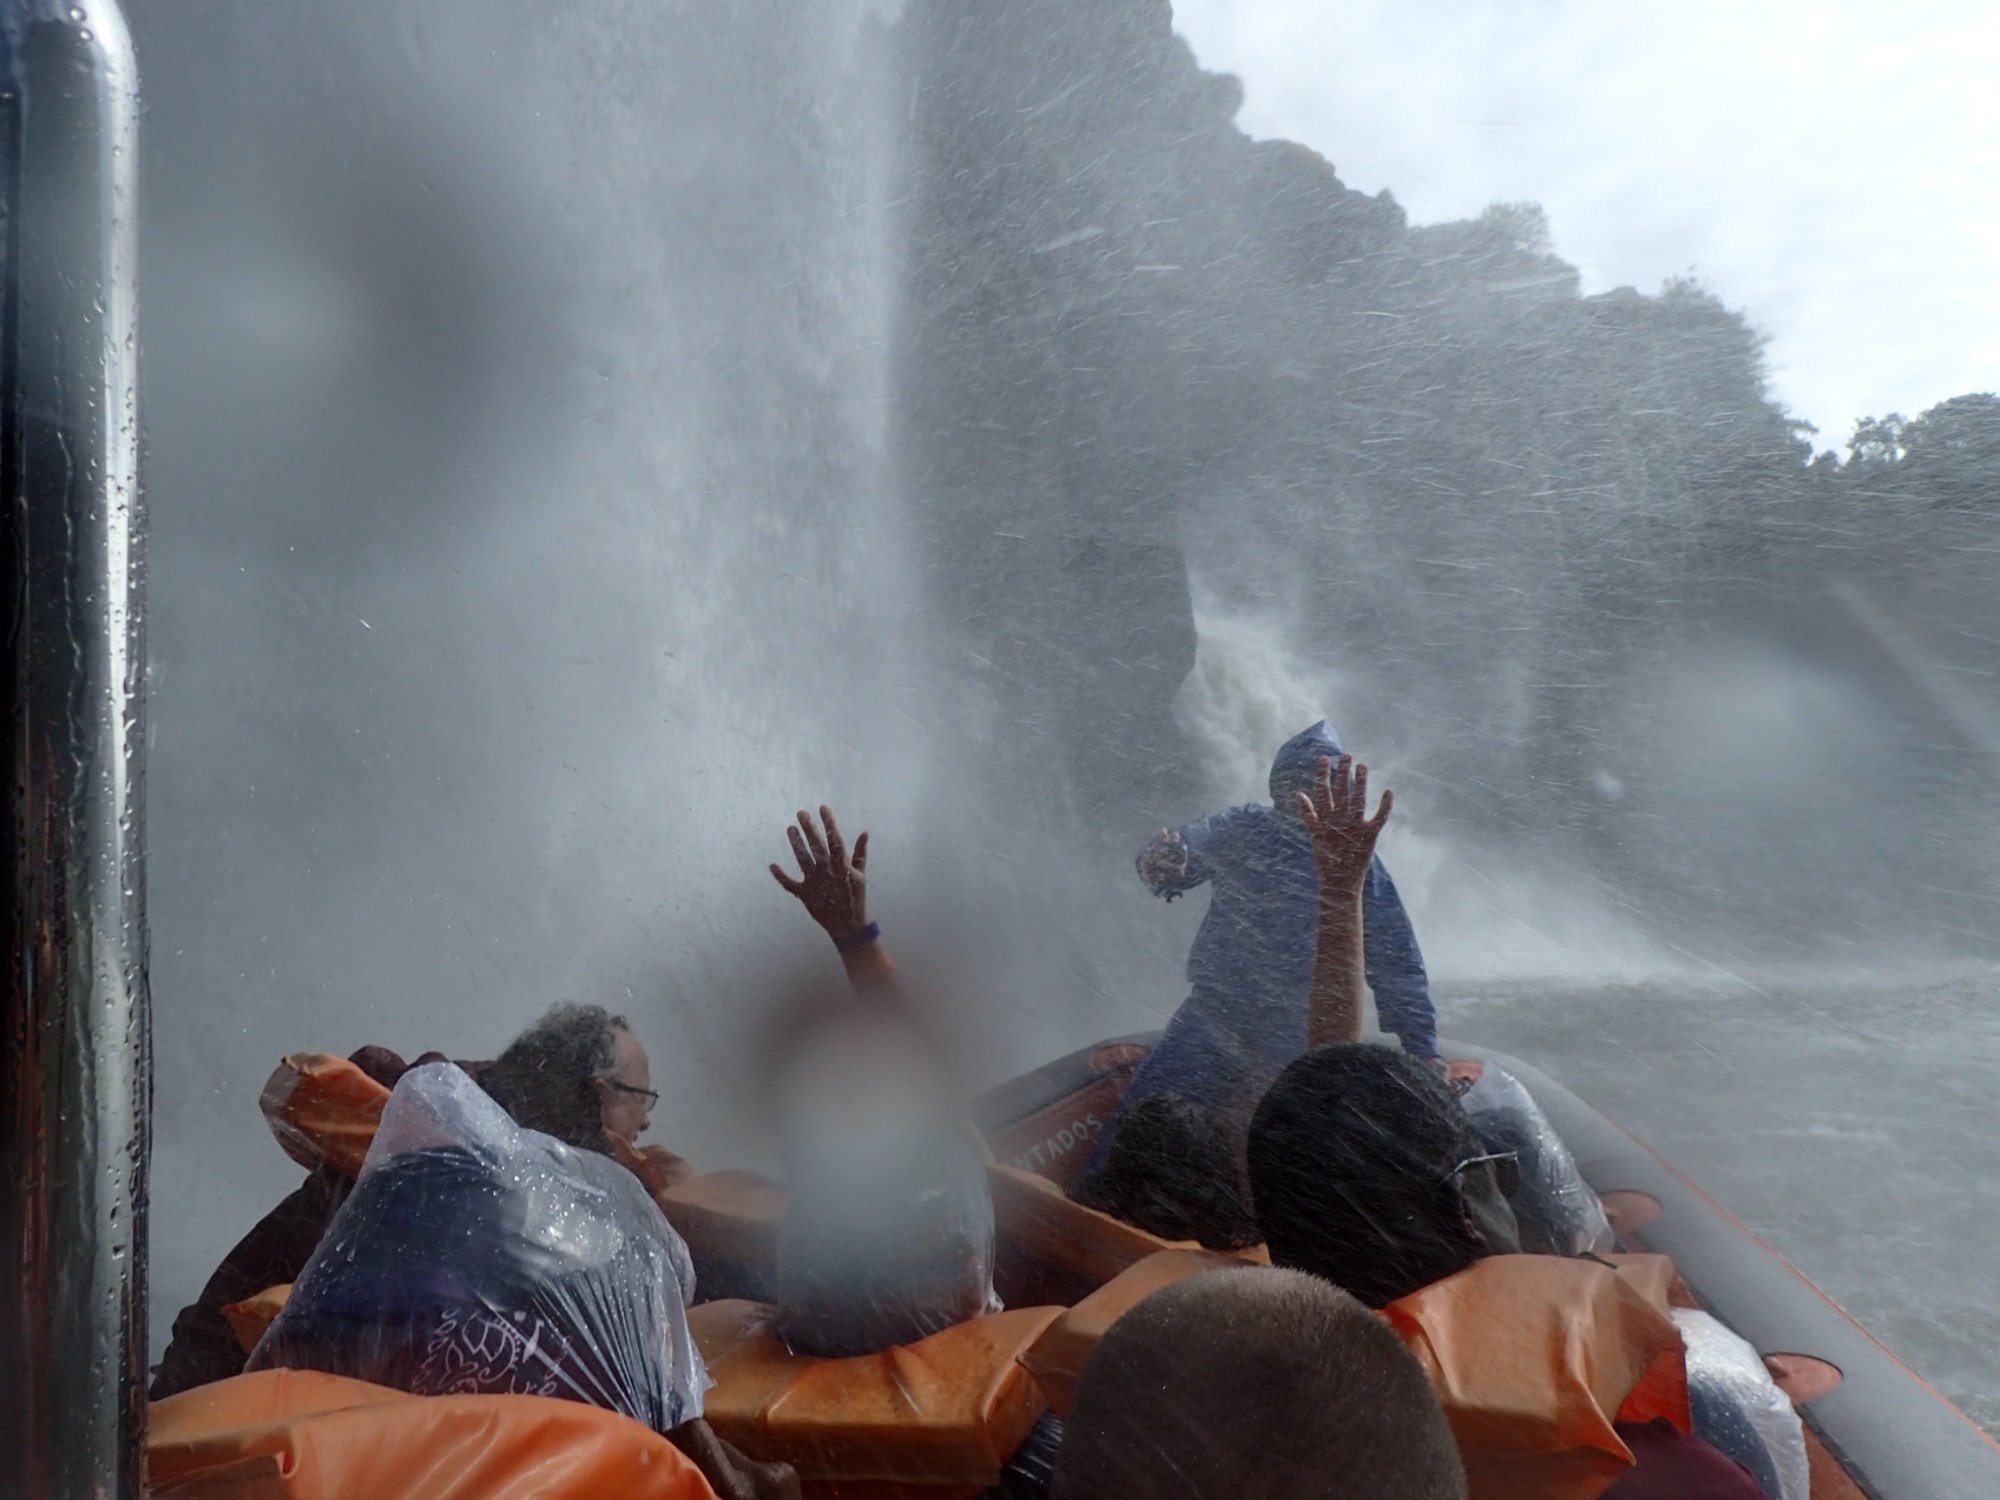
x=861 y=937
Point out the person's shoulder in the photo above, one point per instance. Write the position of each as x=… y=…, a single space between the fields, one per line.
x=1245 y=815
x=1252 y=831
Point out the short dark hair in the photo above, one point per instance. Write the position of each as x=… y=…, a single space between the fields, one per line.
x=1354 y=1154
x=1253 y=1383
x=546 y=1079
x=1170 y=1170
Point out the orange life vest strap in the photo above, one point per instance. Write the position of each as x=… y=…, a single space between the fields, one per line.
x=301 y=1435
x=1533 y=1357
x=947 y=1410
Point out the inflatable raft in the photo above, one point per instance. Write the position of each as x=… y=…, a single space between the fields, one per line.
x=939 y=1417
x=1874 y=1427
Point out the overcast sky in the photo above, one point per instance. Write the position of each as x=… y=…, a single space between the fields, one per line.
x=1829 y=168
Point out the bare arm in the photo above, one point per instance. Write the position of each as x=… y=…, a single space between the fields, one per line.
x=1343 y=844
x=832 y=886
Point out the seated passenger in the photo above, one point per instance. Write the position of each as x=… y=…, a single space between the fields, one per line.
x=1339 y=849
x=1243 y=1384
x=1170 y=1171
x=582 y=1076
x=1365 y=1171
x=478 y=1257
x=1252 y=960
x=888 y=1229
x=888 y=1233
x=1158 y=1176
x=475 y=1257
x=578 y=1074
x=1557 y=1211
x=1363 y=1168
x=203 y=1348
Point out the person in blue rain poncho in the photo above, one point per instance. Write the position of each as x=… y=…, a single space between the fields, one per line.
x=1251 y=964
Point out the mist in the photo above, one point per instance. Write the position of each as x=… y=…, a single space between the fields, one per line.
x=522 y=551
x=578 y=440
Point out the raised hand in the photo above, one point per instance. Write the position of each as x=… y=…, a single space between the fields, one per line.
x=1336 y=817
x=1165 y=859
x=832 y=886
x=1343 y=843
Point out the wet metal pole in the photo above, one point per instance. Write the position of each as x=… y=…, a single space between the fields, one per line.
x=74 y=1049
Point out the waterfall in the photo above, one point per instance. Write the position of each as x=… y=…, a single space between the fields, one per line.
x=524 y=546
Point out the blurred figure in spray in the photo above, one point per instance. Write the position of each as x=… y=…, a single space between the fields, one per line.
x=888 y=1234
x=1251 y=964
x=888 y=1229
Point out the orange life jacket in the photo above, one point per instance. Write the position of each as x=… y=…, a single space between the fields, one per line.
x=301 y=1435
x=249 y=1318
x=939 y=1417
x=1534 y=1357
x=323 y=1110
x=1038 y=1218
x=1057 y=1358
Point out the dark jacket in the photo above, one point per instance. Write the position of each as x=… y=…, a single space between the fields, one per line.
x=204 y=1347
x=1251 y=963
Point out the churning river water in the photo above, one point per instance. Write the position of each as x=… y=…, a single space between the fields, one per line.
x=1849 y=1121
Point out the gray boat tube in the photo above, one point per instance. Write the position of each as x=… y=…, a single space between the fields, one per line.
x=1897 y=1438
x=75 y=1081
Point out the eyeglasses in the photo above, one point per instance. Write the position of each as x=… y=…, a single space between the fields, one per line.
x=651 y=1096
x=1473 y=1161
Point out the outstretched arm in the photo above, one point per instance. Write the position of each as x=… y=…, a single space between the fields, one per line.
x=1343 y=844
x=1163 y=864
x=832 y=886
x=1395 y=964
x=1178 y=859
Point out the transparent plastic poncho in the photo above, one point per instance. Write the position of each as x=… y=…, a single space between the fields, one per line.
x=1739 y=1409
x=1557 y=1212
x=476 y=1257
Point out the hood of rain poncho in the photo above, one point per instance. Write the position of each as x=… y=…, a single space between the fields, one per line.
x=1296 y=766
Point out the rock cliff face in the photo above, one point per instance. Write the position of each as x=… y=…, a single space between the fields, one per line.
x=1516 y=523
x=1050 y=361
